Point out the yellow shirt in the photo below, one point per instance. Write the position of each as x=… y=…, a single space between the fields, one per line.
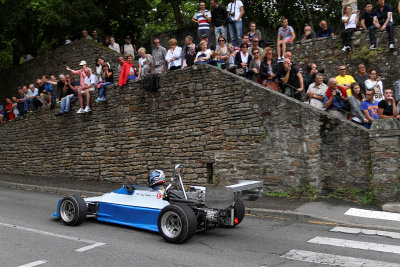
x=347 y=79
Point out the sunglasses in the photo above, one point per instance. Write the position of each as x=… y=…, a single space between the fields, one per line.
x=221 y=40
x=256 y=53
x=255 y=41
x=342 y=69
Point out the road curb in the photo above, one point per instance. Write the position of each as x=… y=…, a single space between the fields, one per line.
x=49 y=189
x=284 y=214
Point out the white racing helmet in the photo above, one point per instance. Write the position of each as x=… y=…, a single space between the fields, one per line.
x=156 y=178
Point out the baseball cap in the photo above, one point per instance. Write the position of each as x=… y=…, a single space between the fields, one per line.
x=83 y=62
x=204 y=36
x=127 y=37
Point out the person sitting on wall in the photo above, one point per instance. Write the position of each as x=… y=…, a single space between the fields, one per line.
x=90 y=83
x=128 y=48
x=335 y=99
x=325 y=30
x=383 y=20
x=367 y=17
x=114 y=46
x=370 y=108
x=20 y=100
x=255 y=42
x=128 y=71
x=121 y=61
x=80 y=72
x=387 y=107
x=173 y=56
x=231 y=58
x=2 y=118
x=210 y=46
x=285 y=35
x=96 y=38
x=71 y=95
x=48 y=94
x=27 y=99
x=254 y=32
x=293 y=84
x=345 y=80
x=145 y=63
x=308 y=34
x=350 y=20
x=9 y=109
x=316 y=92
x=85 y=35
x=108 y=79
x=34 y=96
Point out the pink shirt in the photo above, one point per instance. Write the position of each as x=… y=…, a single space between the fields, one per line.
x=82 y=75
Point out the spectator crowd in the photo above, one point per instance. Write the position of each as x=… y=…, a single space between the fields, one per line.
x=361 y=99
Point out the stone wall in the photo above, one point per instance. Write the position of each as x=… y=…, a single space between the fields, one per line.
x=327 y=53
x=55 y=63
x=221 y=127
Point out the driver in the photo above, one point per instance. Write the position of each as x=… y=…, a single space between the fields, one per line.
x=156 y=179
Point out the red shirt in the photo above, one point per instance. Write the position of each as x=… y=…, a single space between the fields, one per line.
x=11 y=115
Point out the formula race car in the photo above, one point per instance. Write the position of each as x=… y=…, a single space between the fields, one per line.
x=174 y=211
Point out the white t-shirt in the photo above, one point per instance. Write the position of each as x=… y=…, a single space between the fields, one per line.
x=128 y=49
x=91 y=79
x=234 y=8
x=245 y=59
x=352 y=22
x=115 y=47
x=142 y=61
x=207 y=52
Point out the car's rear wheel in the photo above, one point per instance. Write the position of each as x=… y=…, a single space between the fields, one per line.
x=73 y=210
x=177 y=223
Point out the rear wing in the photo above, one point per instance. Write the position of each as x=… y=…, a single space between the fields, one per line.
x=250 y=190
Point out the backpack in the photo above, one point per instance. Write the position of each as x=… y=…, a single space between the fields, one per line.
x=150 y=82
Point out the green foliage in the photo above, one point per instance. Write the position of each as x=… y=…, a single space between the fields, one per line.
x=277 y=194
x=353 y=194
x=366 y=55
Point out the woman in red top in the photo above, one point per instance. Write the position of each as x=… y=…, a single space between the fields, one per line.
x=128 y=71
x=9 y=108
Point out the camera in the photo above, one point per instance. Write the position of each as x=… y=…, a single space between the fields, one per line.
x=233 y=15
x=321 y=71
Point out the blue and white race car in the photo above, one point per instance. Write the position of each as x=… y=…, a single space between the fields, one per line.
x=173 y=211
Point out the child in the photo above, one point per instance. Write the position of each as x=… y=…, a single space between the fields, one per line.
x=217 y=60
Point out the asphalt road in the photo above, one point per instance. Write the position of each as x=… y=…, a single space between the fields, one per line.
x=29 y=236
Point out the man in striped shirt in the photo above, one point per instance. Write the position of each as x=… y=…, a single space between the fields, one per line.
x=203 y=18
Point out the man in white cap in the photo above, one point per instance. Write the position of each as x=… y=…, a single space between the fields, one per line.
x=80 y=72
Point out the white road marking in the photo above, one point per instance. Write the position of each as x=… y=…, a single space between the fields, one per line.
x=47 y=233
x=92 y=243
x=357 y=231
x=32 y=264
x=336 y=260
x=355 y=244
x=90 y=247
x=373 y=214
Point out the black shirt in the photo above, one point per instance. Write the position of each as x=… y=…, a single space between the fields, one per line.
x=111 y=78
x=219 y=16
x=387 y=109
x=190 y=59
x=60 y=87
x=382 y=15
x=293 y=79
x=368 y=17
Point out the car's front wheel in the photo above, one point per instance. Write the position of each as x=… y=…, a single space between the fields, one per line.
x=177 y=223
x=73 y=210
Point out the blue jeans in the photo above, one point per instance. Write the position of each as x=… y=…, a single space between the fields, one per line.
x=27 y=104
x=102 y=88
x=235 y=30
x=66 y=103
x=389 y=29
x=221 y=30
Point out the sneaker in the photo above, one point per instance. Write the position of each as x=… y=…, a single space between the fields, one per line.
x=391 y=46
x=280 y=60
x=103 y=99
x=80 y=111
x=344 y=48
x=98 y=99
x=372 y=47
x=60 y=113
x=87 y=109
x=348 y=48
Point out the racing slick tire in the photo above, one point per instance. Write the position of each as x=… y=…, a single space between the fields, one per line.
x=177 y=223
x=73 y=210
x=238 y=212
